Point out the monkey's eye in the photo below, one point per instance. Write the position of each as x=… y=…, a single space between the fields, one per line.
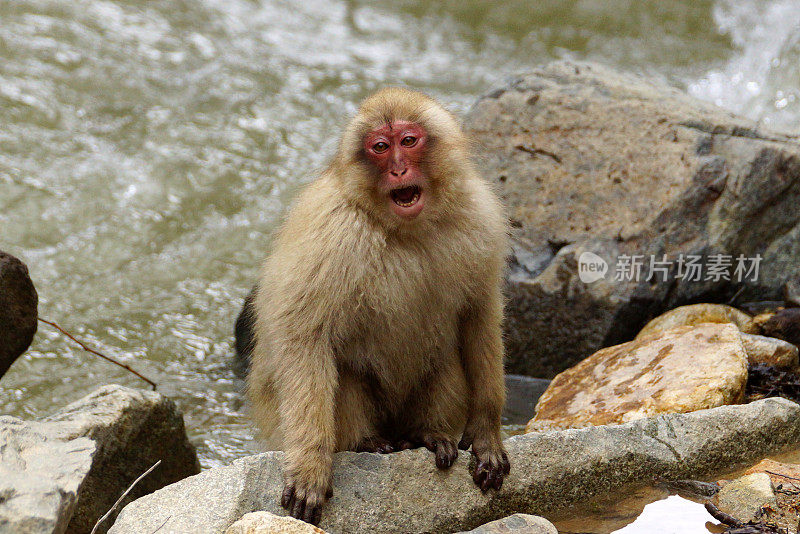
x=409 y=140
x=380 y=146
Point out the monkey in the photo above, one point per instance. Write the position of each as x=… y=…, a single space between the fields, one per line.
x=377 y=317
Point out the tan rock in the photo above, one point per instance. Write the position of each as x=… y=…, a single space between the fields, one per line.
x=694 y=314
x=743 y=497
x=770 y=350
x=267 y=523
x=517 y=524
x=681 y=370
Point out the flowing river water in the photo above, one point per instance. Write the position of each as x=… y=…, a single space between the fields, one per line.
x=148 y=149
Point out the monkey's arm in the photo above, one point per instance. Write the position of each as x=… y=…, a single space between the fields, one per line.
x=482 y=357
x=306 y=384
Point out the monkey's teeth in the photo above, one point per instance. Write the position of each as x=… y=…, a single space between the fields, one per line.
x=406 y=203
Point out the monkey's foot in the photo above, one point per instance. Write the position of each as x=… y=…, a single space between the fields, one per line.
x=441 y=444
x=491 y=463
x=304 y=501
x=375 y=444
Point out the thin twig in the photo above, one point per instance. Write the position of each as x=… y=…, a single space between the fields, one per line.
x=107 y=514
x=735 y=296
x=89 y=349
x=533 y=151
x=781 y=475
x=162 y=524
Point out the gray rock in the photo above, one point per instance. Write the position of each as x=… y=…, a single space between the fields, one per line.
x=591 y=160
x=61 y=474
x=522 y=394
x=18 y=310
x=517 y=523
x=404 y=492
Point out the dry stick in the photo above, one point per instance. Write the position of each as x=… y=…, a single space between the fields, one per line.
x=89 y=349
x=781 y=475
x=790 y=480
x=107 y=514
x=721 y=516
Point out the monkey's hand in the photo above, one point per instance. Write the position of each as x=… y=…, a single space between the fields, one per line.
x=304 y=498
x=491 y=461
x=438 y=443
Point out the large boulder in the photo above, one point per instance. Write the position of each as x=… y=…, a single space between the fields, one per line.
x=598 y=168
x=62 y=473
x=405 y=492
x=681 y=370
x=18 y=310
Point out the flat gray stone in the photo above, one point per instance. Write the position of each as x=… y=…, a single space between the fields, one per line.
x=404 y=492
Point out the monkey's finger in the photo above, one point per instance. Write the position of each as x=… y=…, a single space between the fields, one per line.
x=506 y=464
x=489 y=481
x=386 y=448
x=479 y=475
x=287 y=496
x=316 y=517
x=446 y=454
x=465 y=443
x=498 y=481
x=313 y=513
x=299 y=507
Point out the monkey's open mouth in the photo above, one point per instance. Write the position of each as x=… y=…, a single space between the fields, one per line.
x=406 y=196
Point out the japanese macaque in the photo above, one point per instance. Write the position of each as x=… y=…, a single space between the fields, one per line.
x=377 y=317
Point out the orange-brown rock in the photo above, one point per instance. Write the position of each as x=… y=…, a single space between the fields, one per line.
x=681 y=370
x=694 y=314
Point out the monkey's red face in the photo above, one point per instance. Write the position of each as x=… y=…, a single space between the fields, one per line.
x=397 y=150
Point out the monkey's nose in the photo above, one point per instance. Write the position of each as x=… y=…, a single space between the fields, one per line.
x=398 y=174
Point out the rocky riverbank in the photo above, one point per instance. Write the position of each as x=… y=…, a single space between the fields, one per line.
x=657 y=374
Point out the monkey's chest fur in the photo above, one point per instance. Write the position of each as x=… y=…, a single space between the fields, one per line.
x=399 y=326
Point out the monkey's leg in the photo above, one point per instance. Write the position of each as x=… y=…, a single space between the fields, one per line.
x=438 y=415
x=482 y=354
x=356 y=418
